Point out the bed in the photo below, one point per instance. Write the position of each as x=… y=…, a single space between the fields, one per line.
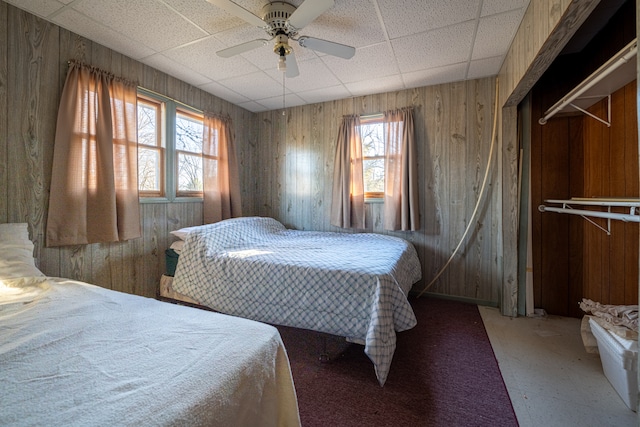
x=75 y=354
x=353 y=285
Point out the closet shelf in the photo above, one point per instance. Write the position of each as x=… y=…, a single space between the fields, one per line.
x=611 y=76
x=632 y=203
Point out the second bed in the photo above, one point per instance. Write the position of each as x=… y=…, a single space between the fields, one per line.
x=350 y=285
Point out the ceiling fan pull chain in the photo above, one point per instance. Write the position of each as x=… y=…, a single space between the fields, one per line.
x=283 y=92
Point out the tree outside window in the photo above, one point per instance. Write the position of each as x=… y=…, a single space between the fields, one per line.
x=372 y=136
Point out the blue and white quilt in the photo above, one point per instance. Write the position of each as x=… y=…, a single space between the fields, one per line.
x=351 y=285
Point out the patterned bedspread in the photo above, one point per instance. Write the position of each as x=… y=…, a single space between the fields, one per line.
x=351 y=285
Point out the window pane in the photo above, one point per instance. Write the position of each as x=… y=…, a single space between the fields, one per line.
x=373 y=170
x=372 y=139
x=148 y=169
x=147 y=124
x=189 y=172
x=150 y=147
x=189 y=130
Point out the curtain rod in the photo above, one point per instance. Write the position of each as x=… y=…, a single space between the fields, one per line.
x=190 y=107
x=153 y=92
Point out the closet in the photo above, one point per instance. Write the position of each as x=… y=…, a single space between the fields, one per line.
x=585 y=154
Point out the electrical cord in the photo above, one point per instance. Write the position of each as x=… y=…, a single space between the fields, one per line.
x=475 y=210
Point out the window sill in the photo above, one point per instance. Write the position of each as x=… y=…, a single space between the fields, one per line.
x=373 y=200
x=150 y=200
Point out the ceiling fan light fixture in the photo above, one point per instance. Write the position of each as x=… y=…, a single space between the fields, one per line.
x=282 y=47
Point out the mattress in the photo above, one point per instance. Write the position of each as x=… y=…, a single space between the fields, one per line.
x=74 y=354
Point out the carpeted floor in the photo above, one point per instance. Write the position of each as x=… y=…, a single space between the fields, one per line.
x=444 y=373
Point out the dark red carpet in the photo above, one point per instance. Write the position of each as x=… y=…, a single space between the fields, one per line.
x=444 y=373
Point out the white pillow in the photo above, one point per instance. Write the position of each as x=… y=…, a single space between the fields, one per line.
x=16 y=252
x=182 y=233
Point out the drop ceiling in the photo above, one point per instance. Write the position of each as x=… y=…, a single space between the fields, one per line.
x=400 y=44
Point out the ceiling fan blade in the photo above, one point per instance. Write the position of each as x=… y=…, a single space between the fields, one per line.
x=238 y=11
x=308 y=11
x=330 y=48
x=292 y=66
x=241 y=48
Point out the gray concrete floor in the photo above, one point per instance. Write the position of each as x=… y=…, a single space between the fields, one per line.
x=551 y=379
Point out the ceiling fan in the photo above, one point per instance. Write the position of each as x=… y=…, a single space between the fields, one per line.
x=282 y=21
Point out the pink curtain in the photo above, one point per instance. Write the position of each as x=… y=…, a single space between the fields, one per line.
x=94 y=182
x=221 y=177
x=401 y=204
x=347 y=203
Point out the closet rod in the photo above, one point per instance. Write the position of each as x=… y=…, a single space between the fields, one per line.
x=582 y=212
x=621 y=58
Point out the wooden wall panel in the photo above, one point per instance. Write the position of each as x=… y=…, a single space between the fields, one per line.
x=611 y=170
x=576 y=224
x=453 y=126
x=4 y=136
x=33 y=66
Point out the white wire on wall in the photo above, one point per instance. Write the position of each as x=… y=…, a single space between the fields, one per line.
x=482 y=188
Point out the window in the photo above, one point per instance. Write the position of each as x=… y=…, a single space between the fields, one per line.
x=189 y=131
x=372 y=135
x=169 y=148
x=150 y=148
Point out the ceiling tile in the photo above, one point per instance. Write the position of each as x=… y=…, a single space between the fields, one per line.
x=176 y=69
x=381 y=85
x=436 y=48
x=491 y=7
x=325 y=94
x=495 y=34
x=435 y=76
x=253 y=106
x=405 y=17
x=224 y=92
x=275 y=102
x=314 y=74
x=95 y=31
x=368 y=63
x=146 y=21
x=201 y=58
x=485 y=67
x=354 y=23
x=42 y=8
x=254 y=86
x=205 y=15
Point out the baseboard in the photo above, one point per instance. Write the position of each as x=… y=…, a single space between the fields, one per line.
x=457 y=298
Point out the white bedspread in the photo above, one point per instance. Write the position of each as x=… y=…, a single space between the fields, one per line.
x=73 y=354
x=351 y=285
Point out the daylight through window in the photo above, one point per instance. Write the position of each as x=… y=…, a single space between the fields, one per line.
x=372 y=135
x=169 y=148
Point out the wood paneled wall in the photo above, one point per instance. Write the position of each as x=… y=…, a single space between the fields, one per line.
x=557 y=162
x=294 y=164
x=611 y=170
x=33 y=66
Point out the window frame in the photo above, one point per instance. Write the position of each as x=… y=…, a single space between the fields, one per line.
x=169 y=169
x=373 y=196
x=192 y=115
x=160 y=146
